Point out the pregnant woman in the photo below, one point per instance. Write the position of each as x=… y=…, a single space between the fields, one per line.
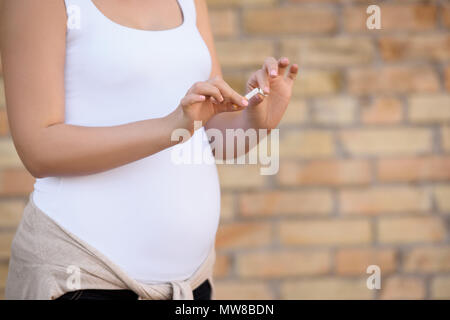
x=94 y=91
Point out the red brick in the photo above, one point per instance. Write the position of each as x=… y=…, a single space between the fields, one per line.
x=4 y=126
x=9 y=157
x=354 y=261
x=282 y=264
x=394 y=17
x=3 y=274
x=369 y=114
x=242 y=290
x=383 y=110
x=16 y=182
x=445 y=11
x=334 y=111
x=386 y=142
x=2 y=94
x=239 y=3
x=403 y=288
x=380 y=200
x=429 y=108
x=427 y=259
x=240 y=176
x=5 y=244
x=289 y=20
x=440 y=288
x=445 y=137
x=325 y=172
x=442 y=197
x=329 y=51
x=447 y=78
x=404 y=230
x=312 y=83
x=236 y=79
x=223 y=22
x=243 y=235
x=325 y=232
x=296 y=113
x=432 y=168
x=222 y=267
x=327 y=288
x=11 y=212
x=307 y=144
x=227 y=202
x=393 y=79
x=240 y=54
x=286 y=203
x=422 y=47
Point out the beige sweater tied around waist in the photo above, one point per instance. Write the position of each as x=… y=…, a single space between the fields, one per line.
x=45 y=258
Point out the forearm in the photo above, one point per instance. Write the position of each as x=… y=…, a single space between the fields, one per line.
x=62 y=149
x=244 y=121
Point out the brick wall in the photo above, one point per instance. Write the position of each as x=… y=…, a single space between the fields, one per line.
x=365 y=154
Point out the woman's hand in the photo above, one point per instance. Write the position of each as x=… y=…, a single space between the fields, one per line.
x=266 y=112
x=206 y=99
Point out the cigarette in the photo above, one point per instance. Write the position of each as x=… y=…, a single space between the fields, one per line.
x=251 y=94
x=254 y=92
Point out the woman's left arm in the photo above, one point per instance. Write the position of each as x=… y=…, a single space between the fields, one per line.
x=276 y=78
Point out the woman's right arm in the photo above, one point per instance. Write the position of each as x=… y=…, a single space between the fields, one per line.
x=33 y=56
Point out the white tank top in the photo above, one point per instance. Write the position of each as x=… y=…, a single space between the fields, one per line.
x=154 y=218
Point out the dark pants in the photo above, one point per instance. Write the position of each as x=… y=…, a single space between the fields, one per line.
x=203 y=292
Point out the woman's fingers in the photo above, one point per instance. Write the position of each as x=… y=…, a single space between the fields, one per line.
x=192 y=98
x=276 y=68
x=228 y=93
x=271 y=67
x=293 y=71
x=283 y=63
x=207 y=89
x=263 y=81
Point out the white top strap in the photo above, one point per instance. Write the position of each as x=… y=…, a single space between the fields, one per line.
x=189 y=11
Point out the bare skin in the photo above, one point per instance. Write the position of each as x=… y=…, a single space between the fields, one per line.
x=49 y=147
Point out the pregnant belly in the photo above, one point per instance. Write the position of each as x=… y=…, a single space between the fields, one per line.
x=154 y=219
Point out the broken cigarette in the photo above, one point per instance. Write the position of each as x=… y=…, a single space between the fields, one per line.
x=251 y=94
x=254 y=92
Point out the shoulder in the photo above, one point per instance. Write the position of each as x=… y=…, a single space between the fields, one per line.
x=29 y=27
x=39 y=8
x=40 y=14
